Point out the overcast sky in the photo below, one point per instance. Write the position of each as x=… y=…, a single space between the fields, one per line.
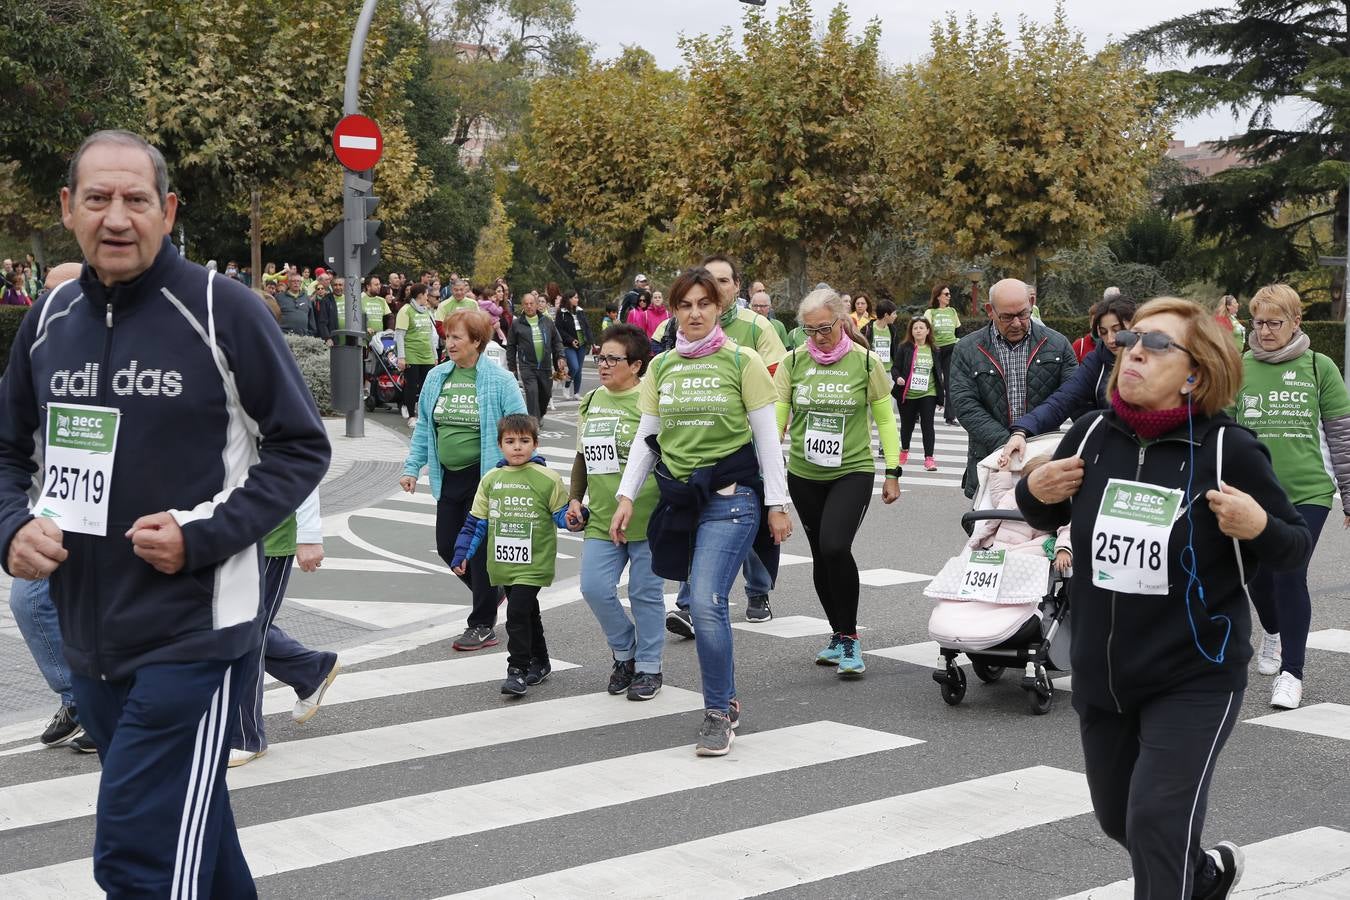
x=905 y=24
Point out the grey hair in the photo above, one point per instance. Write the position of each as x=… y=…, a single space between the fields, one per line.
x=822 y=298
x=122 y=138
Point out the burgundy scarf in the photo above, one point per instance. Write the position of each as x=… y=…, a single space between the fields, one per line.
x=1149 y=423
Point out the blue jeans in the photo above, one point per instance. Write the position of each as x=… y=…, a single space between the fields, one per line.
x=575 y=357
x=757 y=581
x=726 y=532
x=35 y=614
x=643 y=637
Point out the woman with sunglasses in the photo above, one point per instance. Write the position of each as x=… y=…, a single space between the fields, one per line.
x=826 y=391
x=721 y=481
x=1169 y=505
x=945 y=320
x=1295 y=401
x=1086 y=388
x=607 y=421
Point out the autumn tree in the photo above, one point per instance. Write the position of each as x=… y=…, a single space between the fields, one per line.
x=779 y=148
x=492 y=257
x=1259 y=54
x=598 y=148
x=1018 y=151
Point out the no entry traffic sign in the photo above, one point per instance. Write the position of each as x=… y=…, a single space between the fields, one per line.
x=358 y=143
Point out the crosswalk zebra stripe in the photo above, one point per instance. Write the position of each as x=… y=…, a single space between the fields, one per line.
x=812 y=848
x=321 y=838
x=55 y=800
x=1337 y=640
x=338 y=564
x=1325 y=719
x=1313 y=864
x=353 y=687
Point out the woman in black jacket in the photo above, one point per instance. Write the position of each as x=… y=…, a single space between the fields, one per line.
x=1171 y=506
x=917 y=373
x=575 y=332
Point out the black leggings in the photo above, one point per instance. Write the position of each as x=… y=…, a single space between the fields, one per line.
x=457 y=492
x=1148 y=771
x=945 y=364
x=1282 y=601
x=922 y=410
x=832 y=512
x=413 y=378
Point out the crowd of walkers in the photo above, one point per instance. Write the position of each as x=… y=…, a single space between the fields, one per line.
x=162 y=593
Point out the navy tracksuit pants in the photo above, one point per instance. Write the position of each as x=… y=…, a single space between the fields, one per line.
x=164 y=826
x=279 y=655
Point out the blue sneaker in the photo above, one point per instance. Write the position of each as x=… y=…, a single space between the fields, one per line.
x=830 y=655
x=850 y=658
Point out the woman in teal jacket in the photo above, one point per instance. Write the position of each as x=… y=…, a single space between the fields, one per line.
x=456 y=440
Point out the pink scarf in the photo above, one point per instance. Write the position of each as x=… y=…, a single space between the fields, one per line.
x=704 y=346
x=834 y=354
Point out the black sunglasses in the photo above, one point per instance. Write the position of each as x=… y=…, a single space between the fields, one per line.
x=1153 y=341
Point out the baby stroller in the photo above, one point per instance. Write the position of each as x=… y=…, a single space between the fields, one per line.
x=1001 y=608
x=384 y=380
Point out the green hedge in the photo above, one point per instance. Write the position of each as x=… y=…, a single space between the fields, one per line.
x=10 y=317
x=312 y=356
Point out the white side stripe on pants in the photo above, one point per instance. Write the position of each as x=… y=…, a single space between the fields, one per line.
x=211 y=731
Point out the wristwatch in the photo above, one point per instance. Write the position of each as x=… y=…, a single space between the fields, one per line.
x=780 y=508
x=894 y=473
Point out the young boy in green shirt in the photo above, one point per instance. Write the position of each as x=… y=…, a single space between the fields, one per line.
x=518 y=507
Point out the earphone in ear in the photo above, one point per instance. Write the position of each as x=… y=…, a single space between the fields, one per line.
x=1191 y=380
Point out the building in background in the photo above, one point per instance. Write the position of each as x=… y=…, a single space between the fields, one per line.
x=1205 y=158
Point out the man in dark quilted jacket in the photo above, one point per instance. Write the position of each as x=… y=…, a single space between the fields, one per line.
x=1003 y=370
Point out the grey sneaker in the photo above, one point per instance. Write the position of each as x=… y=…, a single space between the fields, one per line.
x=678 y=621
x=757 y=609
x=475 y=637
x=715 y=735
x=645 y=686
x=734 y=714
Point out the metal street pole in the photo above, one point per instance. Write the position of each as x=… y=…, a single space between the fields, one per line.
x=353 y=210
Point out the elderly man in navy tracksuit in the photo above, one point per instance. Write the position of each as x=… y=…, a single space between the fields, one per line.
x=151 y=538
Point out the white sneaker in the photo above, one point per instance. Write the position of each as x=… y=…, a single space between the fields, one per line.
x=306 y=707
x=1287 y=693
x=242 y=757
x=1269 y=663
x=412 y=421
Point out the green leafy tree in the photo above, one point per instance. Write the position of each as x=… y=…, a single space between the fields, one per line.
x=1015 y=153
x=64 y=73
x=1260 y=54
x=597 y=149
x=779 y=150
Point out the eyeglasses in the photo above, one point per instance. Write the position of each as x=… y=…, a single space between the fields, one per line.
x=612 y=360
x=1009 y=318
x=1272 y=324
x=814 y=330
x=1152 y=341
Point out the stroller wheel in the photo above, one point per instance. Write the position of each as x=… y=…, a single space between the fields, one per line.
x=1040 y=703
x=985 y=672
x=954 y=686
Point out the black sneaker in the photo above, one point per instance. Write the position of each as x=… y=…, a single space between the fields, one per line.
x=715 y=734
x=83 y=744
x=678 y=621
x=645 y=686
x=621 y=677
x=515 y=684
x=538 y=672
x=1228 y=862
x=63 y=726
x=475 y=637
x=757 y=609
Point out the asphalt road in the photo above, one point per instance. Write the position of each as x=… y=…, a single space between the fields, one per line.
x=418 y=780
